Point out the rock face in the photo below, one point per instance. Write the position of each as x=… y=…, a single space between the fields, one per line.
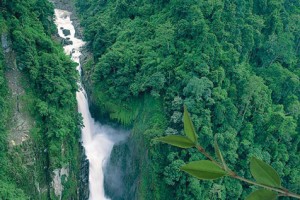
x=66 y=32
x=84 y=177
x=122 y=173
x=59 y=176
x=5 y=43
x=22 y=148
x=66 y=42
x=21 y=120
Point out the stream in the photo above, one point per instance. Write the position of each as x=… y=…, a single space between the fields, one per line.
x=97 y=140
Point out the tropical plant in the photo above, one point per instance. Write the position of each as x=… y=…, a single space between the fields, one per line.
x=265 y=176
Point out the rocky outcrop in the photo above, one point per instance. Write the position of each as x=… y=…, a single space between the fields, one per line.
x=22 y=152
x=60 y=175
x=86 y=56
x=122 y=172
x=69 y=6
x=66 y=42
x=66 y=32
x=21 y=122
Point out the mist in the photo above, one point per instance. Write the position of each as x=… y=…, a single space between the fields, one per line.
x=97 y=140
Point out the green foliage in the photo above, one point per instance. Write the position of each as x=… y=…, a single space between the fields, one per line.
x=181 y=141
x=204 y=169
x=8 y=188
x=219 y=155
x=176 y=140
x=123 y=112
x=9 y=191
x=188 y=126
x=262 y=195
x=234 y=64
x=150 y=123
x=50 y=78
x=264 y=173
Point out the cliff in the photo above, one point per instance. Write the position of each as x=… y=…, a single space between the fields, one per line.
x=40 y=127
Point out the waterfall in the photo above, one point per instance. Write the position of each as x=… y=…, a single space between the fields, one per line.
x=97 y=139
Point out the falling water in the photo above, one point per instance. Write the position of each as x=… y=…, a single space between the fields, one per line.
x=98 y=140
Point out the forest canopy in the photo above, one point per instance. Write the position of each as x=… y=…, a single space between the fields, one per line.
x=50 y=82
x=234 y=64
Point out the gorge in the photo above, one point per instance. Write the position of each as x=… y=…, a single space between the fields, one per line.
x=234 y=65
x=97 y=139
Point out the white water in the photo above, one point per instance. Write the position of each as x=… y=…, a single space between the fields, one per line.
x=97 y=139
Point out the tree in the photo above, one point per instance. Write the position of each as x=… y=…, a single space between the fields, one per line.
x=266 y=177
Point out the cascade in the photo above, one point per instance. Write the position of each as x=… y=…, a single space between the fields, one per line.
x=97 y=139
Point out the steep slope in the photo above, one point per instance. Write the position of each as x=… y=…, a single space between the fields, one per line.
x=234 y=64
x=41 y=126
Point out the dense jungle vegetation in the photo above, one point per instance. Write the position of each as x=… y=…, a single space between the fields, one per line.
x=51 y=78
x=234 y=64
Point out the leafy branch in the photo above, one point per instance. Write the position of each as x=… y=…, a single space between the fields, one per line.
x=265 y=176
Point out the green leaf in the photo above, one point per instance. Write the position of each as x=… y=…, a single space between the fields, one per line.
x=264 y=173
x=219 y=154
x=176 y=140
x=262 y=194
x=189 y=129
x=204 y=169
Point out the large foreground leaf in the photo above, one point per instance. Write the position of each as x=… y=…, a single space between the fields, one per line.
x=262 y=195
x=177 y=140
x=189 y=129
x=204 y=169
x=264 y=173
x=219 y=154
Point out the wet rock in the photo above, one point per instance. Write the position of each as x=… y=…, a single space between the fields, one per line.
x=84 y=177
x=66 y=42
x=66 y=32
x=69 y=6
x=122 y=172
